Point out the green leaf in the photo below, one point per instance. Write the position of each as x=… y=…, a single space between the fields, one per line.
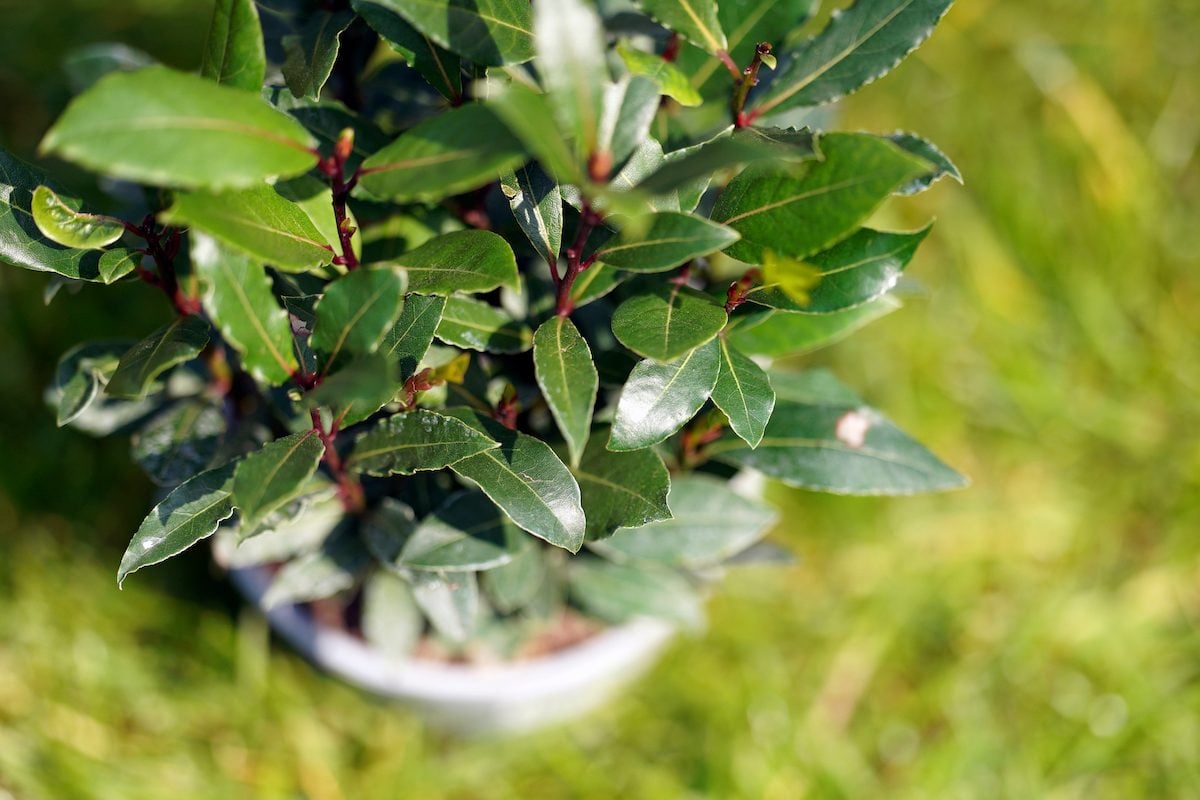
x=629 y=109
x=414 y=441
x=309 y=54
x=858 y=46
x=488 y=32
x=326 y=119
x=449 y=601
x=61 y=221
x=857 y=270
x=664 y=241
x=315 y=198
x=409 y=339
x=667 y=321
x=743 y=392
x=514 y=585
x=358 y=391
x=462 y=261
x=814 y=387
x=188 y=514
x=256 y=221
x=174 y=343
x=180 y=442
x=923 y=148
x=356 y=312
x=842 y=450
x=270 y=478
x=176 y=129
x=537 y=207
x=24 y=245
x=528 y=481
x=710 y=523
x=80 y=374
x=524 y=111
x=290 y=536
x=691 y=169
x=441 y=68
x=477 y=326
x=239 y=300
x=386 y=529
x=466 y=533
x=619 y=592
x=391 y=622
x=335 y=568
x=621 y=489
x=670 y=78
x=805 y=208
x=86 y=65
x=233 y=53
x=783 y=334
x=567 y=377
x=458 y=150
x=595 y=282
x=658 y=399
x=694 y=20
x=570 y=45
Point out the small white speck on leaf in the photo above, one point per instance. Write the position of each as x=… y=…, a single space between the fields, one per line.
x=852 y=427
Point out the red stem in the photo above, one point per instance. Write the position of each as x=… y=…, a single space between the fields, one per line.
x=588 y=220
x=334 y=168
x=350 y=491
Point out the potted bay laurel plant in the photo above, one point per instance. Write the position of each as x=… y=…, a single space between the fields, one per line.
x=469 y=308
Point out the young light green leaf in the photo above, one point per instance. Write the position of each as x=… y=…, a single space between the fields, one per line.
x=177 y=129
x=658 y=399
x=670 y=79
x=563 y=364
x=239 y=300
x=629 y=108
x=188 y=514
x=455 y=151
x=694 y=20
x=524 y=112
x=665 y=241
x=467 y=533
x=619 y=592
x=477 y=326
x=537 y=206
x=667 y=321
x=449 y=601
x=857 y=46
x=409 y=339
x=802 y=209
x=569 y=38
x=621 y=489
x=528 y=481
x=438 y=66
x=743 y=392
x=356 y=312
x=270 y=478
x=80 y=373
x=462 y=261
x=841 y=450
x=256 y=221
x=309 y=53
x=923 y=148
x=179 y=442
x=233 y=53
x=174 y=343
x=60 y=220
x=415 y=441
x=709 y=524
x=783 y=334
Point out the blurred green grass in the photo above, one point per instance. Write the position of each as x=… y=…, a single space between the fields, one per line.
x=1033 y=636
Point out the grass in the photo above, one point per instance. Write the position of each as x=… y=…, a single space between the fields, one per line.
x=1033 y=636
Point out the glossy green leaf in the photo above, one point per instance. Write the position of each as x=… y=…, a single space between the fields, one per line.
x=467 y=533
x=391 y=621
x=743 y=392
x=180 y=442
x=256 y=221
x=628 y=111
x=359 y=390
x=855 y=271
x=524 y=111
x=569 y=38
x=450 y=602
x=527 y=481
x=670 y=79
x=185 y=516
x=415 y=441
x=691 y=169
x=658 y=399
x=233 y=53
x=356 y=312
x=567 y=377
x=858 y=46
x=488 y=32
x=694 y=20
x=238 y=299
x=943 y=167
x=437 y=65
x=709 y=524
x=477 y=326
x=462 y=261
x=177 y=129
x=802 y=209
x=621 y=489
x=665 y=241
x=595 y=282
x=271 y=477
x=783 y=334
x=537 y=206
x=667 y=321
x=409 y=339
x=60 y=220
x=310 y=52
x=174 y=343
x=458 y=150
x=336 y=567
x=842 y=450
x=80 y=374
x=620 y=592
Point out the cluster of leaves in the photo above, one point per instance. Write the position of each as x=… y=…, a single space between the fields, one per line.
x=478 y=338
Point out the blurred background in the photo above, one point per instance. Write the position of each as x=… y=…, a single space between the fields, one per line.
x=1034 y=636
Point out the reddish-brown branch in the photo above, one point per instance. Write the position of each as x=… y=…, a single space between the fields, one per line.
x=334 y=168
x=350 y=491
x=730 y=65
x=744 y=82
x=589 y=218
